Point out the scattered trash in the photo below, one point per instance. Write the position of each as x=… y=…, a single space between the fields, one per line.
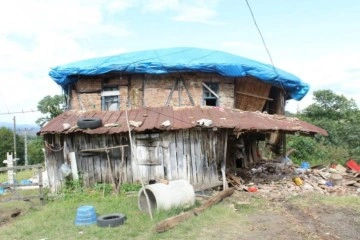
x=65 y=169
x=205 y=122
x=166 y=123
x=252 y=189
x=26 y=182
x=353 y=165
x=298 y=181
x=111 y=125
x=340 y=168
x=111 y=220
x=336 y=179
x=66 y=126
x=329 y=184
x=305 y=165
x=281 y=177
x=134 y=123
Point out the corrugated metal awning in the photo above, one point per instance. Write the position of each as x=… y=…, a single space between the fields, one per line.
x=152 y=118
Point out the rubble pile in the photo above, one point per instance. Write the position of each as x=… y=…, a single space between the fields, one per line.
x=285 y=178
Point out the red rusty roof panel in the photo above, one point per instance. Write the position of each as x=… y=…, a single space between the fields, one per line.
x=154 y=118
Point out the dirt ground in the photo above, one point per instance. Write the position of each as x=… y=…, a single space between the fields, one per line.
x=287 y=219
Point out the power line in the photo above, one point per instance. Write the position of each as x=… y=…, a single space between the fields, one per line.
x=262 y=38
x=23 y=111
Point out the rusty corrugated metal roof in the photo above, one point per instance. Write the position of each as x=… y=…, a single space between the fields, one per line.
x=152 y=118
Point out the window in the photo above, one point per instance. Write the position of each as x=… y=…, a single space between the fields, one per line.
x=110 y=99
x=210 y=94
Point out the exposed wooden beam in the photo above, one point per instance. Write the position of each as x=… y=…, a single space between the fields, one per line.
x=171 y=93
x=255 y=96
x=175 y=220
x=187 y=91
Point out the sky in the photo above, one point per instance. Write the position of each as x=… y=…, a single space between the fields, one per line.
x=316 y=40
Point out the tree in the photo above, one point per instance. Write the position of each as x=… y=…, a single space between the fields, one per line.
x=341 y=118
x=330 y=106
x=51 y=106
x=35 y=150
x=7 y=145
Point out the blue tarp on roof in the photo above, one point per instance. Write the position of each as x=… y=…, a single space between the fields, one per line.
x=170 y=60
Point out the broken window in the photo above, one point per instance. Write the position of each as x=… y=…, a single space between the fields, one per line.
x=110 y=99
x=210 y=94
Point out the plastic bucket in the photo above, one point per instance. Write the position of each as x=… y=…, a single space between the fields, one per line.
x=85 y=215
x=336 y=179
x=65 y=169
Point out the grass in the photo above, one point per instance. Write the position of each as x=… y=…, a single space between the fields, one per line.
x=56 y=220
x=352 y=202
x=20 y=175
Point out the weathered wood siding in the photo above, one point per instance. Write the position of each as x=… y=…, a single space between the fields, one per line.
x=251 y=94
x=187 y=154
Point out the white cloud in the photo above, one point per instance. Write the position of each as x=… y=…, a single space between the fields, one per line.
x=337 y=71
x=38 y=34
x=185 y=11
x=198 y=14
x=160 y=5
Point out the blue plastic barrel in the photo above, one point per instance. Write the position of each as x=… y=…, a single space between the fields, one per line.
x=85 y=215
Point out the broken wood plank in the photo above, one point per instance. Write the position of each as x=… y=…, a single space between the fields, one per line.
x=175 y=220
x=253 y=95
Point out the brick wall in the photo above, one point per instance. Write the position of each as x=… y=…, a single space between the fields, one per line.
x=157 y=88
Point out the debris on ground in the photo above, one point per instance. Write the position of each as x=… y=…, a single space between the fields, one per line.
x=284 y=178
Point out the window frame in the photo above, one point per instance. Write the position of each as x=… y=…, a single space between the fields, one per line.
x=110 y=95
x=208 y=95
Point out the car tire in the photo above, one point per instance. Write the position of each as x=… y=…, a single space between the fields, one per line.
x=91 y=123
x=111 y=220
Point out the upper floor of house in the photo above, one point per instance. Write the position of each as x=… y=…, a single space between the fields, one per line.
x=176 y=77
x=115 y=91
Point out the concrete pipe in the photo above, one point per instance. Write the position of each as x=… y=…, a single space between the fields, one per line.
x=162 y=196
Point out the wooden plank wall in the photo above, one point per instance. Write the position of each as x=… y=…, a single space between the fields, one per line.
x=251 y=94
x=192 y=154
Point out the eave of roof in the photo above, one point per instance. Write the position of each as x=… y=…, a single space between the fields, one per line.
x=152 y=118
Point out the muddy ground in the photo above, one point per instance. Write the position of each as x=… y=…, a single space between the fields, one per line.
x=280 y=218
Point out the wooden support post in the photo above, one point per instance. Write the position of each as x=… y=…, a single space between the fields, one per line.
x=284 y=144
x=120 y=171
x=187 y=91
x=110 y=171
x=41 y=194
x=223 y=164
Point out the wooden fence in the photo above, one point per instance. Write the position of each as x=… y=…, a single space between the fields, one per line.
x=13 y=186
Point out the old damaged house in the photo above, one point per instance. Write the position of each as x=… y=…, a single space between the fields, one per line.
x=177 y=113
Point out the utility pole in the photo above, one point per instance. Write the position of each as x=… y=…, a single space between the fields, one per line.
x=14 y=140
x=25 y=142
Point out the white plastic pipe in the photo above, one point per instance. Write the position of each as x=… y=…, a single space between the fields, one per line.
x=73 y=165
x=179 y=193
